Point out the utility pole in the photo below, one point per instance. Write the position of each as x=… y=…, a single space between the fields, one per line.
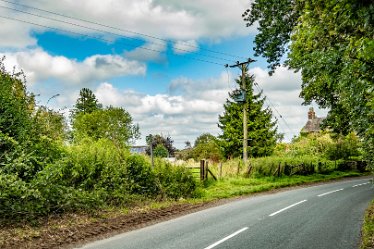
x=243 y=67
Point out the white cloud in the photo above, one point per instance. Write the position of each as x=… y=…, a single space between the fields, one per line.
x=184 y=116
x=183 y=47
x=282 y=91
x=178 y=20
x=148 y=52
x=38 y=65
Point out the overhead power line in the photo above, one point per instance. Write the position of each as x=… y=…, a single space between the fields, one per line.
x=120 y=29
x=105 y=31
x=270 y=104
x=103 y=39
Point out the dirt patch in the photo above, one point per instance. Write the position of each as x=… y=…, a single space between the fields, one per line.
x=67 y=232
x=68 y=236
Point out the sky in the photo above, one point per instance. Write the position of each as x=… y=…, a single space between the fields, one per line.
x=161 y=60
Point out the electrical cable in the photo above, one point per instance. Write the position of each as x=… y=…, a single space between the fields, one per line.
x=106 y=40
x=104 y=31
x=272 y=106
x=118 y=29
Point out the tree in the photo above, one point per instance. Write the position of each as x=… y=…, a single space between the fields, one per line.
x=187 y=144
x=113 y=123
x=87 y=102
x=50 y=123
x=25 y=148
x=262 y=131
x=16 y=105
x=167 y=142
x=207 y=147
x=331 y=43
x=160 y=151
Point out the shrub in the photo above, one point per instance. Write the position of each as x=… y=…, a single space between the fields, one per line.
x=175 y=181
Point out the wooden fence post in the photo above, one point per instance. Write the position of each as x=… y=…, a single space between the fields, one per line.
x=220 y=170
x=238 y=171
x=202 y=170
x=206 y=170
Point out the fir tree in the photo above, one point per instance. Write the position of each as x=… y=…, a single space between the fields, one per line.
x=262 y=131
x=87 y=102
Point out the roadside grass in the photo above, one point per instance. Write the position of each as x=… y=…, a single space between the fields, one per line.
x=231 y=187
x=368 y=228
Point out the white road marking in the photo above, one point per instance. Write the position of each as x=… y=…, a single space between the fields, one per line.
x=360 y=184
x=327 y=193
x=283 y=209
x=226 y=238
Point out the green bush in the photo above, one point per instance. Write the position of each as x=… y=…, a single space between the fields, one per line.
x=301 y=165
x=140 y=177
x=175 y=181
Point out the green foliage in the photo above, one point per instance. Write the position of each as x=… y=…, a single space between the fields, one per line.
x=15 y=105
x=324 y=145
x=277 y=20
x=332 y=44
x=367 y=241
x=111 y=123
x=262 y=131
x=50 y=123
x=207 y=146
x=176 y=182
x=40 y=174
x=86 y=103
x=160 y=151
x=167 y=142
x=25 y=145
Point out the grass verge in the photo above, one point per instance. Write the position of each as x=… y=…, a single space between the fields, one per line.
x=231 y=187
x=368 y=228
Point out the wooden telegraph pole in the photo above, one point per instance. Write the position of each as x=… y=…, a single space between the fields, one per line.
x=243 y=67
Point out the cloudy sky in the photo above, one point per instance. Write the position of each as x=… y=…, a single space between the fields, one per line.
x=162 y=60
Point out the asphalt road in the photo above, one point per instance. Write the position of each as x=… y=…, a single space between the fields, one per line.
x=324 y=216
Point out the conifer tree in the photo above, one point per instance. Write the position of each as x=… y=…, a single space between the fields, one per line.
x=87 y=102
x=262 y=131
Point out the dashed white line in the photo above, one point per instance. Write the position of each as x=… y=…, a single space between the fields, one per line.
x=226 y=238
x=290 y=206
x=327 y=193
x=360 y=184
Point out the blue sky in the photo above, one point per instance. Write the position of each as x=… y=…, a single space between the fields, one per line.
x=168 y=90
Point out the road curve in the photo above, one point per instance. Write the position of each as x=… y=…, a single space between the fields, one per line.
x=323 y=216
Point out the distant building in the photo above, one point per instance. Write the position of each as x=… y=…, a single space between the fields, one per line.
x=138 y=149
x=313 y=125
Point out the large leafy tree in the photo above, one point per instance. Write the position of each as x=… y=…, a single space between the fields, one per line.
x=262 y=131
x=331 y=43
x=113 y=123
x=157 y=139
x=207 y=146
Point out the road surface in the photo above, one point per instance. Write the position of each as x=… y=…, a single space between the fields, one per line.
x=324 y=216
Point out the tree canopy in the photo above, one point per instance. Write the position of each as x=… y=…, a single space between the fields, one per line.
x=331 y=43
x=86 y=102
x=157 y=139
x=262 y=131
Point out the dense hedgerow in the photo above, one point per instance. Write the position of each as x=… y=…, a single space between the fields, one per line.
x=90 y=175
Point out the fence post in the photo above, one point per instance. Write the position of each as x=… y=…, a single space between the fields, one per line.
x=279 y=169
x=206 y=170
x=202 y=170
x=220 y=170
x=238 y=171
